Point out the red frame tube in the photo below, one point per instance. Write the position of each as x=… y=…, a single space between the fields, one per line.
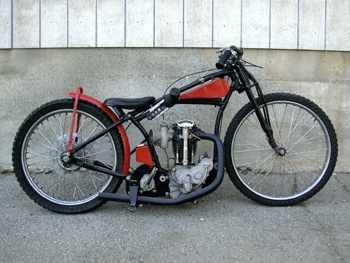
x=71 y=133
x=125 y=139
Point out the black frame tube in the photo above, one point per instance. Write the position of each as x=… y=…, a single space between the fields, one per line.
x=239 y=83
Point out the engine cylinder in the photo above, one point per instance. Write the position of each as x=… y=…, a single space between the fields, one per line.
x=178 y=147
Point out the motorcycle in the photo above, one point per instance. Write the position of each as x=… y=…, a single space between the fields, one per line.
x=72 y=155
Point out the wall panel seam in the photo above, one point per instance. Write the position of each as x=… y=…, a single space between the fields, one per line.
x=125 y=22
x=325 y=25
x=212 y=23
x=270 y=22
x=40 y=21
x=298 y=26
x=96 y=23
x=183 y=23
x=67 y=23
x=241 y=33
x=12 y=21
x=154 y=23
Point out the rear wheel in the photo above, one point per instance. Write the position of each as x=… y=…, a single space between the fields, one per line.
x=38 y=147
x=306 y=138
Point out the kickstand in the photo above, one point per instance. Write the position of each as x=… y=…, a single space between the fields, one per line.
x=133 y=192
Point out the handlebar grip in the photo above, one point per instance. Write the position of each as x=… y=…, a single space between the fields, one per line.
x=222 y=60
x=171 y=98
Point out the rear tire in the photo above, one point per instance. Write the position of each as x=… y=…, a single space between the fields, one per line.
x=41 y=140
x=302 y=130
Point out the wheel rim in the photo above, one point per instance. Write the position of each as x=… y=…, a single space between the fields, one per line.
x=41 y=153
x=306 y=144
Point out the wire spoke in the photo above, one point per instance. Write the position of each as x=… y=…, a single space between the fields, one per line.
x=46 y=142
x=299 y=131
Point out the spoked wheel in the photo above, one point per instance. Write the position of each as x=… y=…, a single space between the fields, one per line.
x=307 y=157
x=41 y=142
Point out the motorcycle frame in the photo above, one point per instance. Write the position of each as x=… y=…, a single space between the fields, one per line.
x=241 y=81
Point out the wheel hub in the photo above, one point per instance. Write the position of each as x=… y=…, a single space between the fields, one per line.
x=65 y=161
x=282 y=151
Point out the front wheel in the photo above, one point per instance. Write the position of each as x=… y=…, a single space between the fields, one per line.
x=306 y=138
x=43 y=139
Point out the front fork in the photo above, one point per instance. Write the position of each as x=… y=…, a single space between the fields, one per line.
x=246 y=78
x=265 y=123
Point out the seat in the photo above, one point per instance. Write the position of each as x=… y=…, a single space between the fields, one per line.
x=129 y=104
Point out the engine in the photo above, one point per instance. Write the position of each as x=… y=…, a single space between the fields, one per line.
x=184 y=179
x=185 y=176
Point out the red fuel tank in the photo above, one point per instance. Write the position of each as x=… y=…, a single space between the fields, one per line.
x=217 y=88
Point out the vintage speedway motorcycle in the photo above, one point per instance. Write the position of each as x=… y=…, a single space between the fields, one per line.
x=72 y=155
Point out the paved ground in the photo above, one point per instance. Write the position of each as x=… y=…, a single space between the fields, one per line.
x=223 y=227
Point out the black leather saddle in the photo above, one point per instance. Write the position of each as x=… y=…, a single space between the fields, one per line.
x=129 y=104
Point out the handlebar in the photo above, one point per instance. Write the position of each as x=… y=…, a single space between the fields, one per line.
x=232 y=50
x=223 y=58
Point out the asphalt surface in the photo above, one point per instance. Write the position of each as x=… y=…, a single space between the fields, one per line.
x=223 y=227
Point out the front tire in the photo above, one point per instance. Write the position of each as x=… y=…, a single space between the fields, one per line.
x=309 y=144
x=37 y=150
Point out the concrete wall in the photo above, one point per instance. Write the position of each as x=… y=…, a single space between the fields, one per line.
x=292 y=24
x=31 y=77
